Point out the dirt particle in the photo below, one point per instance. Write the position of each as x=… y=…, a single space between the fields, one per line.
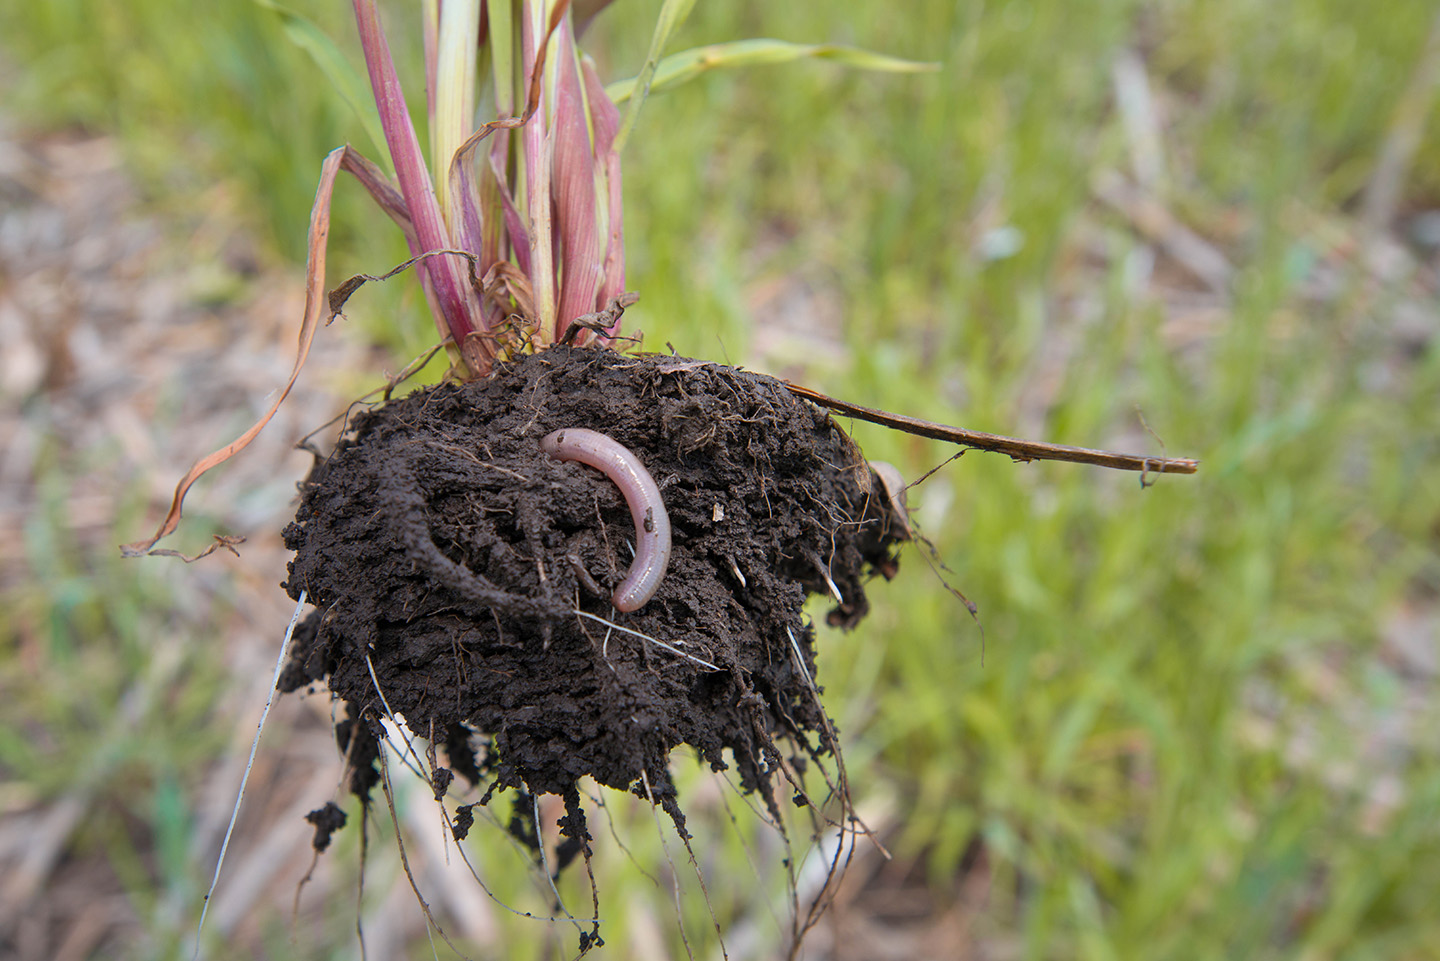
x=327 y=821
x=464 y=821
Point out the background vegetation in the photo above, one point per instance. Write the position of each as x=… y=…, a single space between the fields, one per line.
x=1205 y=723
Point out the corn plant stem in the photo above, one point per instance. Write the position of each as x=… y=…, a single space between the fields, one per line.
x=1021 y=450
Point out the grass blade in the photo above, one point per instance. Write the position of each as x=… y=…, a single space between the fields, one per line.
x=672 y=15
x=306 y=35
x=686 y=65
x=454 y=93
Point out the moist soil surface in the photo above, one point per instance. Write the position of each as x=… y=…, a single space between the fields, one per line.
x=447 y=557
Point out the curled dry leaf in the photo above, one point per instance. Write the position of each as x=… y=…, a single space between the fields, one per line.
x=314 y=304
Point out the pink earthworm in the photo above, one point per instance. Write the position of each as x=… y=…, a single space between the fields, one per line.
x=652 y=524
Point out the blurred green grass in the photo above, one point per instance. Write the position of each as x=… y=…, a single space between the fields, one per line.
x=1171 y=748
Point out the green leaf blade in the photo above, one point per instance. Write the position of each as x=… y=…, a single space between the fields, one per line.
x=686 y=65
x=307 y=36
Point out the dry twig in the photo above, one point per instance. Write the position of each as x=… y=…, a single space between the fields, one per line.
x=1017 y=449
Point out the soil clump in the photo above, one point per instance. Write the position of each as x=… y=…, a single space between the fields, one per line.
x=447 y=557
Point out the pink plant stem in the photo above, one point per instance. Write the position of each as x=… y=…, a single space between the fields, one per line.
x=536 y=144
x=574 y=190
x=606 y=117
x=447 y=275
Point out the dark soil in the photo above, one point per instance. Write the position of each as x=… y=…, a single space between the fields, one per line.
x=439 y=542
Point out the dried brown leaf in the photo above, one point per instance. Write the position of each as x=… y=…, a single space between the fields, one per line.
x=314 y=304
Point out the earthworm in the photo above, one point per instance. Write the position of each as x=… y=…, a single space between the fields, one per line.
x=652 y=524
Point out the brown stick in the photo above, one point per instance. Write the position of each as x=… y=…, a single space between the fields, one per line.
x=1021 y=450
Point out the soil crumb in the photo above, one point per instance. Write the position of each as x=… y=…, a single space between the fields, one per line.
x=447 y=557
x=327 y=821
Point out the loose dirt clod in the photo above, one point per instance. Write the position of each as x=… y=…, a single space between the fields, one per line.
x=446 y=552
